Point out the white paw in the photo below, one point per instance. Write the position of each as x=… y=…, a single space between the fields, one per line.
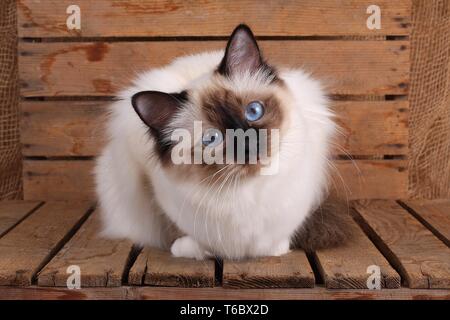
x=187 y=247
x=281 y=249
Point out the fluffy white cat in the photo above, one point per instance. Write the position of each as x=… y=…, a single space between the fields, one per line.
x=214 y=210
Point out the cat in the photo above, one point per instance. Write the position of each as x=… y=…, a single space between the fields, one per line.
x=223 y=210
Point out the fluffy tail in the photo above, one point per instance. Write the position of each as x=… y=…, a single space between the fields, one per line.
x=327 y=227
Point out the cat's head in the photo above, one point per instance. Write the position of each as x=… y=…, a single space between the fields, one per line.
x=234 y=116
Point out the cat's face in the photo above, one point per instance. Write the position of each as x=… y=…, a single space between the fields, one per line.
x=228 y=124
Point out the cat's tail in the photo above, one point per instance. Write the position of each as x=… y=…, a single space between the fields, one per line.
x=329 y=226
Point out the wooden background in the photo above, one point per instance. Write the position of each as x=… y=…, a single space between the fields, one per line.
x=68 y=77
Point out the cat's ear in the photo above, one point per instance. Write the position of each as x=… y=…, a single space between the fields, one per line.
x=242 y=53
x=156 y=108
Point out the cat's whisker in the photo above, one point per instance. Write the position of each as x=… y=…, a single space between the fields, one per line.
x=216 y=196
x=197 y=188
x=235 y=211
x=204 y=197
x=220 y=212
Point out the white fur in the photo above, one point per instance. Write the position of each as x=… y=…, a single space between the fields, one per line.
x=254 y=218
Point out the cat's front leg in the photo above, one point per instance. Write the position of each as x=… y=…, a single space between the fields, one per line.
x=281 y=248
x=187 y=247
x=273 y=250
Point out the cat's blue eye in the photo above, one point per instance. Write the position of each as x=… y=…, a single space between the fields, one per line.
x=254 y=111
x=212 y=138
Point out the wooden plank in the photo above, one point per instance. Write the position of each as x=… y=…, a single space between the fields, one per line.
x=75 y=128
x=372 y=127
x=58 y=180
x=291 y=270
x=97 y=68
x=211 y=18
x=63 y=128
x=73 y=180
x=28 y=247
x=102 y=261
x=168 y=293
x=421 y=259
x=159 y=268
x=339 y=271
x=435 y=215
x=370 y=179
x=13 y=212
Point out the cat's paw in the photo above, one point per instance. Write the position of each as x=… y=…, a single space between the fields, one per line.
x=282 y=248
x=187 y=247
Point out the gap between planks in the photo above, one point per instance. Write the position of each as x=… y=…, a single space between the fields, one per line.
x=70 y=129
x=100 y=71
x=164 y=270
x=435 y=215
x=13 y=212
x=27 y=248
x=421 y=259
x=102 y=262
x=392 y=38
x=348 y=266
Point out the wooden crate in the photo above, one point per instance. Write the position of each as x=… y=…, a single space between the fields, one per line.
x=408 y=241
x=68 y=77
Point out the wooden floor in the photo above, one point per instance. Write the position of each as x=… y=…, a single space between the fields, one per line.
x=41 y=242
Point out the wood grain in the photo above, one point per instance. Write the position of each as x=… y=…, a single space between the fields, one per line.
x=98 y=68
x=13 y=212
x=159 y=268
x=291 y=270
x=167 y=293
x=58 y=180
x=211 y=18
x=76 y=128
x=370 y=179
x=63 y=128
x=345 y=267
x=422 y=260
x=435 y=215
x=102 y=261
x=73 y=179
x=28 y=247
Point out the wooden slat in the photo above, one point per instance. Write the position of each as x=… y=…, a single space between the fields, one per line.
x=370 y=179
x=58 y=180
x=28 y=247
x=159 y=268
x=102 y=261
x=372 y=127
x=73 y=179
x=74 y=128
x=291 y=270
x=14 y=211
x=169 y=293
x=345 y=267
x=98 y=68
x=435 y=215
x=211 y=18
x=63 y=128
x=422 y=259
